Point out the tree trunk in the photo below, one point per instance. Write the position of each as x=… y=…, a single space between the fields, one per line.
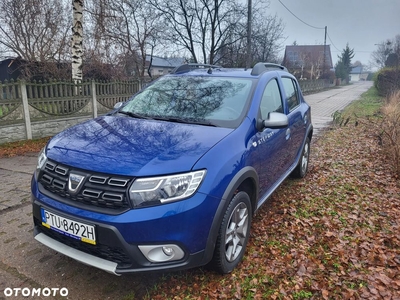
x=77 y=38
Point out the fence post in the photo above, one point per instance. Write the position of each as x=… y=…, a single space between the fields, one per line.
x=94 y=99
x=25 y=105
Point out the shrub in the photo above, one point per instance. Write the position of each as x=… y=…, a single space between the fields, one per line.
x=387 y=81
x=390 y=129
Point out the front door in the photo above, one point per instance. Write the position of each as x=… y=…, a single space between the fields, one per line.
x=271 y=143
x=297 y=125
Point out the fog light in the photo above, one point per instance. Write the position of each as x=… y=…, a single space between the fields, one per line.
x=162 y=253
x=168 y=251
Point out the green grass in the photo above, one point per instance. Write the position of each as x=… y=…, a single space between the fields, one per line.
x=302 y=295
x=367 y=106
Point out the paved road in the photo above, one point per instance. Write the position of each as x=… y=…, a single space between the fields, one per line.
x=324 y=104
x=24 y=263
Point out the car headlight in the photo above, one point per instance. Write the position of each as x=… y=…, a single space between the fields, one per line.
x=42 y=158
x=163 y=189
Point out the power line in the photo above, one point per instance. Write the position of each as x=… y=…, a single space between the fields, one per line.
x=309 y=24
x=332 y=42
x=298 y=17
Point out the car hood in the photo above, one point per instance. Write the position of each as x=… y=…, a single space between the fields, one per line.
x=136 y=147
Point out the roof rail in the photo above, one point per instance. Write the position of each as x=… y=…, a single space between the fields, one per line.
x=261 y=67
x=193 y=66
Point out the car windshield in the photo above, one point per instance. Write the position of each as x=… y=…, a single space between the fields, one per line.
x=217 y=101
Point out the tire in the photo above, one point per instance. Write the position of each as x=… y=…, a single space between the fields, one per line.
x=233 y=234
x=302 y=167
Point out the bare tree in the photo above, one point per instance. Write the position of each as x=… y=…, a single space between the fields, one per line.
x=128 y=29
x=77 y=40
x=34 y=30
x=379 y=56
x=200 y=27
x=267 y=38
x=393 y=59
x=384 y=50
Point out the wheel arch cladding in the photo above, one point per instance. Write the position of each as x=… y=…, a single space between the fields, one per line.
x=245 y=180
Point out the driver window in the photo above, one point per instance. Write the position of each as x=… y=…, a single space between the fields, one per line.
x=271 y=100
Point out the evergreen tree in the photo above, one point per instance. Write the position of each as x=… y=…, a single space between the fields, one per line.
x=340 y=70
x=343 y=66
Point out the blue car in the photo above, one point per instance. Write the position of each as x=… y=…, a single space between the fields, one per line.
x=171 y=178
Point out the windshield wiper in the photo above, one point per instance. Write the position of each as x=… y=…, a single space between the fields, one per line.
x=205 y=123
x=171 y=119
x=185 y=121
x=133 y=115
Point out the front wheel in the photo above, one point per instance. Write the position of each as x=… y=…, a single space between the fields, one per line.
x=302 y=167
x=233 y=234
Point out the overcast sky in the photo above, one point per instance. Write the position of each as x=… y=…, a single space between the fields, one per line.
x=361 y=23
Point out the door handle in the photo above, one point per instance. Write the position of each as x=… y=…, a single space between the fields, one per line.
x=288 y=133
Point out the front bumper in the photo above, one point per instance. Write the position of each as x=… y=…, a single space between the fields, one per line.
x=117 y=249
x=105 y=265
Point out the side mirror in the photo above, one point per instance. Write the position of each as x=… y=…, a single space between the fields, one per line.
x=276 y=120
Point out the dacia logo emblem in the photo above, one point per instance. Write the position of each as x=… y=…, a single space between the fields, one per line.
x=74 y=182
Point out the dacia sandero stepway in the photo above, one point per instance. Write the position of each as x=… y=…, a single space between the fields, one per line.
x=171 y=178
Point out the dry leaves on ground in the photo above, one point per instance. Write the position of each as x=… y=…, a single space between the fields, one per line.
x=22 y=147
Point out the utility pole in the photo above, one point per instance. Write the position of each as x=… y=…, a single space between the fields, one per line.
x=248 y=54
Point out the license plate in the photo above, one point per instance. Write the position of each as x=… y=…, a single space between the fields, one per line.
x=68 y=227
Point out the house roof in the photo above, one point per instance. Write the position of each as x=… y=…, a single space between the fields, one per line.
x=171 y=62
x=356 y=70
x=298 y=54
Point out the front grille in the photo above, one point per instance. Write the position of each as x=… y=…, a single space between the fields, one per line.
x=96 y=189
x=109 y=253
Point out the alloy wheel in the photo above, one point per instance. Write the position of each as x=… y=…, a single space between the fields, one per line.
x=236 y=232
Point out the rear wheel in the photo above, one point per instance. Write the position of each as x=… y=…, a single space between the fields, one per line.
x=233 y=234
x=302 y=167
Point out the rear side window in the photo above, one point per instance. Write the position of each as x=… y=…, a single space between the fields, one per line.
x=291 y=94
x=271 y=100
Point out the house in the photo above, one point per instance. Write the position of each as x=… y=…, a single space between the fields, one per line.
x=308 y=61
x=357 y=73
x=10 y=69
x=163 y=65
x=14 y=68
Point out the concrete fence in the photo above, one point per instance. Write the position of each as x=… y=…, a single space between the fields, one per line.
x=30 y=110
x=313 y=86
